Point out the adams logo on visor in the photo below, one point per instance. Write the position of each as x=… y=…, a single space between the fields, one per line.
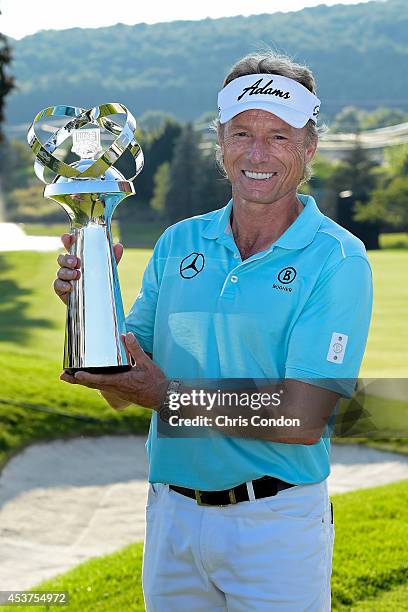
x=256 y=88
x=281 y=96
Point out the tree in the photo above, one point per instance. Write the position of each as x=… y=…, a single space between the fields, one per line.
x=212 y=190
x=354 y=180
x=158 y=146
x=161 y=188
x=396 y=160
x=206 y=118
x=29 y=205
x=157 y=149
x=6 y=85
x=154 y=120
x=6 y=81
x=354 y=120
x=184 y=173
x=161 y=72
x=319 y=184
x=348 y=120
x=383 y=117
x=389 y=202
x=18 y=166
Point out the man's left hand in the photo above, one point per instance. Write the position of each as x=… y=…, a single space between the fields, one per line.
x=145 y=384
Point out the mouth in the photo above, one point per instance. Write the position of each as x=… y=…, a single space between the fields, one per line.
x=259 y=176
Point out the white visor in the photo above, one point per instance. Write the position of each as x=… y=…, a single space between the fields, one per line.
x=276 y=94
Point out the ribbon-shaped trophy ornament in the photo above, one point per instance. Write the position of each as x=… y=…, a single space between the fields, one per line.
x=89 y=191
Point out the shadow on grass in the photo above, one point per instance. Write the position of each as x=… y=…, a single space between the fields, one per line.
x=15 y=324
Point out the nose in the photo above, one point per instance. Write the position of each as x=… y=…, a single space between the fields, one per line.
x=258 y=151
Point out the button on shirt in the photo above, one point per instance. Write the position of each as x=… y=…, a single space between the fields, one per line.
x=205 y=314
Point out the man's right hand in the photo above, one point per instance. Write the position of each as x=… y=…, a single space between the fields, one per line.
x=70 y=271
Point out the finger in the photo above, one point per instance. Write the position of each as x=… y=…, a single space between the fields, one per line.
x=111 y=383
x=67 y=274
x=118 y=250
x=68 y=378
x=128 y=355
x=67 y=240
x=68 y=261
x=95 y=381
x=136 y=351
x=100 y=381
x=62 y=289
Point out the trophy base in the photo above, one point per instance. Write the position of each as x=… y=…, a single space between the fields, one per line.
x=100 y=370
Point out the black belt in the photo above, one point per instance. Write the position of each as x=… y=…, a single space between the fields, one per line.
x=266 y=486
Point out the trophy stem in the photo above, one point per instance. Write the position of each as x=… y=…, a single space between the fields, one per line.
x=95 y=317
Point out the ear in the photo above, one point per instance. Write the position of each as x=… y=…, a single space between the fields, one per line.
x=310 y=150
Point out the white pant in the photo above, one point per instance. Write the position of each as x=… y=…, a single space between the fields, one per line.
x=270 y=554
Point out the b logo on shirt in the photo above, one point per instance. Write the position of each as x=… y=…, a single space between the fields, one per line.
x=287 y=275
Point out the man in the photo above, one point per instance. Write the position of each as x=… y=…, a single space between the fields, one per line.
x=265 y=288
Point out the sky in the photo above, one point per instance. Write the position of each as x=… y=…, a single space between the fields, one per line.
x=22 y=17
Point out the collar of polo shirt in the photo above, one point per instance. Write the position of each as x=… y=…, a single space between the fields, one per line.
x=284 y=97
x=297 y=236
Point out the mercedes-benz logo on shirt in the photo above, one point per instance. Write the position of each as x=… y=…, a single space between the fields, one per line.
x=192 y=265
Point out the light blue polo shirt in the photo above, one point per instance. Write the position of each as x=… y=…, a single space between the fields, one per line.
x=204 y=313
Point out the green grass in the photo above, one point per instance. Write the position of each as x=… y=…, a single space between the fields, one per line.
x=397 y=240
x=135 y=235
x=111 y=583
x=45 y=229
x=370 y=556
x=395 y=600
x=387 y=348
x=57 y=229
x=31 y=345
x=32 y=320
x=38 y=385
x=145 y=235
x=386 y=354
x=370 y=563
x=385 y=417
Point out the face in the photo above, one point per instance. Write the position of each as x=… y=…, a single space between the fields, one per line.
x=264 y=156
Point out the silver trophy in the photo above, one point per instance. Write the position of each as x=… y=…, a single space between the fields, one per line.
x=89 y=191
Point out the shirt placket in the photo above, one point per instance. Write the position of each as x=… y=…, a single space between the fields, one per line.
x=231 y=283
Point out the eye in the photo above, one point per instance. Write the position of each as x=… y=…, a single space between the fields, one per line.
x=241 y=134
x=279 y=137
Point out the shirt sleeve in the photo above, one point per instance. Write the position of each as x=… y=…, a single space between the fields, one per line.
x=328 y=339
x=141 y=317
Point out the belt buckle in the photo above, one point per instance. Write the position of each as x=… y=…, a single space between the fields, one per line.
x=231 y=495
x=198 y=498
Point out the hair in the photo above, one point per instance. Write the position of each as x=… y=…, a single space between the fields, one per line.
x=270 y=62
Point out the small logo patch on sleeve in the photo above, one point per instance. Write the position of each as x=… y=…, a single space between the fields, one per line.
x=337 y=347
